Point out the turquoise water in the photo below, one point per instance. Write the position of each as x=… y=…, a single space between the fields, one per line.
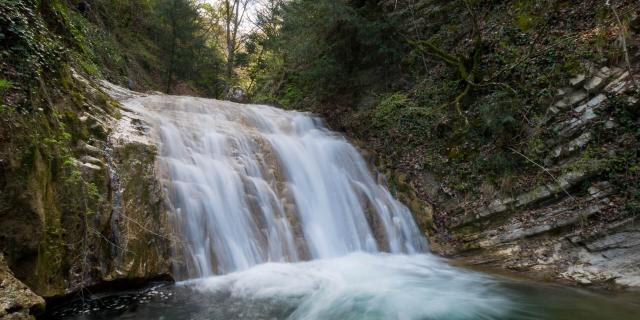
x=357 y=286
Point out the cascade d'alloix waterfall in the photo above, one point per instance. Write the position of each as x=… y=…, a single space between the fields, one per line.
x=254 y=184
x=276 y=217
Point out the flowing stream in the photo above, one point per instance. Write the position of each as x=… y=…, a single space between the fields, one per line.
x=283 y=219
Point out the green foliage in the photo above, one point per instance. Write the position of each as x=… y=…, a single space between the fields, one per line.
x=27 y=48
x=525 y=17
x=530 y=14
x=626 y=114
x=417 y=78
x=177 y=31
x=496 y=165
x=389 y=108
x=321 y=47
x=292 y=97
x=5 y=85
x=498 y=115
x=25 y=40
x=139 y=41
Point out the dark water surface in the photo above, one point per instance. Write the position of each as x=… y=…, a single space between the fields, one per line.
x=358 y=286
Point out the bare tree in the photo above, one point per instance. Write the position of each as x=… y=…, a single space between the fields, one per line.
x=623 y=42
x=265 y=24
x=233 y=14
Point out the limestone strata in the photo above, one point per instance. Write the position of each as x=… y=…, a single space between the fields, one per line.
x=572 y=228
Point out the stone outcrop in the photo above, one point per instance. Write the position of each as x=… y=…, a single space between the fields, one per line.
x=573 y=228
x=17 y=302
x=84 y=207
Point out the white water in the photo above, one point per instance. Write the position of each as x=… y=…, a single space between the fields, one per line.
x=257 y=189
x=254 y=184
x=365 y=286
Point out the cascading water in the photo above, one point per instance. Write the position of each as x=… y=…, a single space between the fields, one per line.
x=254 y=184
x=257 y=189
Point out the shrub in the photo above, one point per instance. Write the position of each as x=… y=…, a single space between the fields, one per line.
x=388 y=110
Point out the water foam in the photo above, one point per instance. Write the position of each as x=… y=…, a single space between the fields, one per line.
x=371 y=286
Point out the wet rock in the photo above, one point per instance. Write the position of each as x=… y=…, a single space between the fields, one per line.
x=92 y=160
x=604 y=72
x=563 y=91
x=574 y=229
x=616 y=71
x=584 y=274
x=597 y=100
x=236 y=94
x=86 y=167
x=17 y=301
x=587 y=113
x=532 y=197
x=89 y=148
x=554 y=110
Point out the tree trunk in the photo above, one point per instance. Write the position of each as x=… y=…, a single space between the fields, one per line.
x=230 y=45
x=172 y=53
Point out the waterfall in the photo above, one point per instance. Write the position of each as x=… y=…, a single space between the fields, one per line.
x=253 y=184
x=288 y=217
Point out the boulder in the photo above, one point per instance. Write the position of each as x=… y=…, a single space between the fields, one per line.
x=236 y=94
x=17 y=301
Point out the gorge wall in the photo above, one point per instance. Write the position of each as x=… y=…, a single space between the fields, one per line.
x=578 y=226
x=81 y=202
x=545 y=182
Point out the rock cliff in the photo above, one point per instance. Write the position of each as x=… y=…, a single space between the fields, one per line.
x=82 y=205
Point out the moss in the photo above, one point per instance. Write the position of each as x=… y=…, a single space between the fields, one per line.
x=51 y=247
x=139 y=166
x=42 y=158
x=76 y=128
x=422 y=211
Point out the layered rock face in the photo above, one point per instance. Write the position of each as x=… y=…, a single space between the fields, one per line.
x=576 y=227
x=81 y=204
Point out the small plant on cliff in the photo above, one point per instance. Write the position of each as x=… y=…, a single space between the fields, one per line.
x=4 y=86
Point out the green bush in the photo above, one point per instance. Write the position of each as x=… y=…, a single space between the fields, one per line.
x=389 y=108
x=5 y=85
